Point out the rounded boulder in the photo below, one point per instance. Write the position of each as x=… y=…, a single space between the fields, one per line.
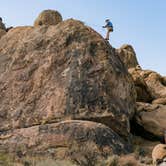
x=48 y=17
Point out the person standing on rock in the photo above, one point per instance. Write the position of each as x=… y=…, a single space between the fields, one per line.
x=109 y=27
x=2 y=25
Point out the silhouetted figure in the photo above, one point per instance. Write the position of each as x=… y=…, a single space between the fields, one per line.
x=109 y=27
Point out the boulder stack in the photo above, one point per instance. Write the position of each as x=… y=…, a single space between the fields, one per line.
x=151 y=94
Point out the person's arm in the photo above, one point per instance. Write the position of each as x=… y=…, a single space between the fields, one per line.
x=105 y=26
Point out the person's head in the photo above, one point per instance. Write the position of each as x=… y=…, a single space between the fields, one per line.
x=0 y=18
x=107 y=20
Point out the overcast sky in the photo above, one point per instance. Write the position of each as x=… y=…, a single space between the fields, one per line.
x=141 y=23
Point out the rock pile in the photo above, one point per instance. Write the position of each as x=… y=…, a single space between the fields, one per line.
x=151 y=96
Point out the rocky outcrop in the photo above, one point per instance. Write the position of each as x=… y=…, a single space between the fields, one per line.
x=158 y=154
x=63 y=87
x=128 y=56
x=51 y=138
x=155 y=82
x=159 y=101
x=142 y=89
x=151 y=90
x=152 y=118
x=48 y=17
x=50 y=74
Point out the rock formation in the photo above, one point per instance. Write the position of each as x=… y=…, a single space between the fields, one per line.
x=128 y=56
x=142 y=89
x=52 y=137
x=48 y=17
x=158 y=154
x=50 y=74
x=155 y=82
x=151 y=96
x=151 y=113
x=151 y=117
x=62 y=85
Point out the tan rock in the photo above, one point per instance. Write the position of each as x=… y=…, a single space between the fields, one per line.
x=151 y=117
x=50 y=138
x=48 y=76
x=128 y=56
x=158 y=153
x=48 y=17
x=143 y=91
x=159 y=101
x=155 y=82
x=129 y=160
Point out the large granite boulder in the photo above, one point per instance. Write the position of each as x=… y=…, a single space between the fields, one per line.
x=68 y=71
x=155 y=82
x=58 y=138
x=142 y=89
x=159 y=101
x=128 y=56
x=152 y=118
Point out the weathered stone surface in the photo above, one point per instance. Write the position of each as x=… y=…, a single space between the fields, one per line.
x=48 y=17
x=155 y=82
x=2 y=32
x=159 y=101
x=128 y=56
x=143 y=91
x=159 y=153
x=50 y=138
x=67 y=71
x=152 y=117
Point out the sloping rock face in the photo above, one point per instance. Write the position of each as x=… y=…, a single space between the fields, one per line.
x=142 y=89
x=48 y=17
x=128 y=56
x=151 y=113
x=152 y=118
x=155 y=82
x=49 y=74
x=149 y=119
x=52 y=138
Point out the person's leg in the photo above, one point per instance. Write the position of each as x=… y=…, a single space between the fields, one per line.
x=108 y=34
